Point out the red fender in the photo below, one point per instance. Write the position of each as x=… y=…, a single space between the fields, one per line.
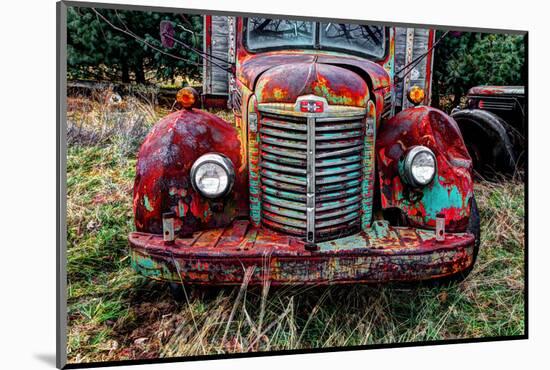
x=452 y=189
x=163 y=184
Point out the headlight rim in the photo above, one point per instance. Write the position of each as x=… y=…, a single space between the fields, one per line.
x=224 y=162
x=409 y=156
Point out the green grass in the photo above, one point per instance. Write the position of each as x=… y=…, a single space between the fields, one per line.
x=115 y=314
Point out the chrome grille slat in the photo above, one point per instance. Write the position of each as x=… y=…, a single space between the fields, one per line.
x=283 y=118
x=283 y=142
x=284 y=178
x=281 y=211
x=339 y=119
x=285 y=221
x=276 y=192
x=332 y=206
x=334 y=153
x=337 y=161
x=282 y=168
x=285 y=125
x=337 y=194
x=340 y=203
x=283 y=134
x=339 y=169
x=284 y=160
x=340 y=178
x=339 y=127
x=338 y=212
x=339 y=135
x=339 y=144
x=283 y=185
x=284 y=203
x=286 y=229
x=291 y=153
x=327 y=188
x=336 y=221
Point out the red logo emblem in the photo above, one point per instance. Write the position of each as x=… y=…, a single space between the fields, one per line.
x=310 y=106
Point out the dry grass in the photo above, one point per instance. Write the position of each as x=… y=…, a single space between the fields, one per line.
x=115 y=314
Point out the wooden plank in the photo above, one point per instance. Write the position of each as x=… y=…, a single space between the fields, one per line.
x=220 y=46
x=216 y=43
x=187 y=242
x=209 y=238
x=234 y=235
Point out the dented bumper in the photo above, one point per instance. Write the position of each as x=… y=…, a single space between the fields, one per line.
x=221 y=256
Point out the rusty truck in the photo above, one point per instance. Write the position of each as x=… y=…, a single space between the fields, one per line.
x=335 y=169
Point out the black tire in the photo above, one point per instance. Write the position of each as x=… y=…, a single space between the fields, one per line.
x=490 y=148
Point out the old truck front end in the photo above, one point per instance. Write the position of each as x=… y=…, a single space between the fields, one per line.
x=315 y=182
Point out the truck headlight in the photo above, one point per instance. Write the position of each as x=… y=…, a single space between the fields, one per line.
x=212 y=175
x=418 y=166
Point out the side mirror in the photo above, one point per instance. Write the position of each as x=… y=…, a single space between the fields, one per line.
x=167 y=34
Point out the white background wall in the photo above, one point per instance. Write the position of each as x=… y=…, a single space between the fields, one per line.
x=27 y=182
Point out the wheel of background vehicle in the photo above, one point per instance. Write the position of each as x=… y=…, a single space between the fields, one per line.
x=487 y=142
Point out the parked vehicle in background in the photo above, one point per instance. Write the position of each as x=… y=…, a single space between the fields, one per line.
x=493 y=126
x=329 y=173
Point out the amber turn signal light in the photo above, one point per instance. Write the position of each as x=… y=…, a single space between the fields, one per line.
x=416 y=95
x=187 y=97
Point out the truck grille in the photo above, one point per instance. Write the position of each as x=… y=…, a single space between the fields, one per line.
x=494 y=104
x=338 y=152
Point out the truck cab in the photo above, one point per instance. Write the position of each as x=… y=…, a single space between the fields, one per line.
x=325 y=175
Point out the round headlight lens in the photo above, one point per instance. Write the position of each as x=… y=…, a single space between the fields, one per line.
x=419 y=166
x=212 y=175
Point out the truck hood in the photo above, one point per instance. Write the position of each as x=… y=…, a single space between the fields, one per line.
x=282 y=77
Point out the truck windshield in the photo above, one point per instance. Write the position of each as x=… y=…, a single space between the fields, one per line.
x=356 y=37
x=265 y=34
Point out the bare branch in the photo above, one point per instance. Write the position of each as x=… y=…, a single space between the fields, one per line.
x=137 y=38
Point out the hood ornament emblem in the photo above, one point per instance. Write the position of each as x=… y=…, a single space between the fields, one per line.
x=311 y=104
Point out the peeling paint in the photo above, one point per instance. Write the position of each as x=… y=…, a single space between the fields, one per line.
x=452 y=189
x=216 y=240
x=385 y=254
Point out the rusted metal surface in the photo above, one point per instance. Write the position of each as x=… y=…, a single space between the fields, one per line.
x=254 y=162
x=369 y=160
x=162 y=181
x=497 y=90
x=311 y=173
x=220 y=256
x=452 y=189
x=252 y=66
x=309 y=126
x=285 y=83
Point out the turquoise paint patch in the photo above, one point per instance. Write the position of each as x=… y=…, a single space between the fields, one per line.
x=147 y=267
x=380 y=229
x=147 y=204
x=180 y=209
x=438 y=197
x=348 y=243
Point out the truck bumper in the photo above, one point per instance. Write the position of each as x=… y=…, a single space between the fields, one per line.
x=222 y=256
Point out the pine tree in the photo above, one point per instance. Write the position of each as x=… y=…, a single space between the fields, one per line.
x=97 y=51
x=464 y=60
